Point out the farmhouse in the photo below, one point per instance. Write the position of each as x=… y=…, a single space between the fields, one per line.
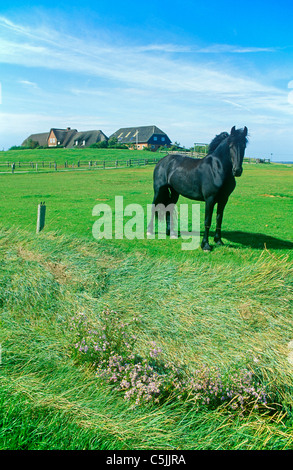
x=68 y=138
x=142 y=137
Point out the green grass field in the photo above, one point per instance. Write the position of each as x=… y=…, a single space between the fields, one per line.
x=212 y=329
x=71 y=155
x=68 y=159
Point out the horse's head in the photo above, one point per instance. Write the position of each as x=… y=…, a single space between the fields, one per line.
x=237 y=143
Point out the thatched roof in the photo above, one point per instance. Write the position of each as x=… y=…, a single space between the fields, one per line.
x=42 y=139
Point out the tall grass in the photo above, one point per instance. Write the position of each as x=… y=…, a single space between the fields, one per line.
x=196 y=313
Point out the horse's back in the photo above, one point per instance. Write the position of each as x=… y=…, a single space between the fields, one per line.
x=178 y=160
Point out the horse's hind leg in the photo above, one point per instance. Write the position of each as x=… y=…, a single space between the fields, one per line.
x=171 y=214
x=161 y=196
x=150 y=228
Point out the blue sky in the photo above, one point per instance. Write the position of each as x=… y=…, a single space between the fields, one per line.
x=192 y=68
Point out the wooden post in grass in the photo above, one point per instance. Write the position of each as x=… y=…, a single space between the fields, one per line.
x=12 y=167
x=41 y=217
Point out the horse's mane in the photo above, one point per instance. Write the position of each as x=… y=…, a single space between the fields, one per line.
x=216 y=141
x=239 y=135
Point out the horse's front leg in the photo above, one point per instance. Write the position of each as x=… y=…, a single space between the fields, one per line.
x=220 y=212
x=209 y=207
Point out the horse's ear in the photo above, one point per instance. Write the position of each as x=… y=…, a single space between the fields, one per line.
x=233 y=130
x=245 y=131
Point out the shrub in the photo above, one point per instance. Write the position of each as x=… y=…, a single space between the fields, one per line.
x=100 y=145
x=111 y=144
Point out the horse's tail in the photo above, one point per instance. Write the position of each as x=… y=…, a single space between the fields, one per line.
x=162 y=191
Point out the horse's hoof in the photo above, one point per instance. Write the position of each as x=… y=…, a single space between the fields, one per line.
x=207 y=248
x=149 y=234
x=173 y=235
x=219 y=242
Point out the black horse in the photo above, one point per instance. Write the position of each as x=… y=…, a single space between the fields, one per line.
x=210 y=179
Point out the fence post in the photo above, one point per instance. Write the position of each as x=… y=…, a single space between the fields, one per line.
x=55 y=166
x=41 y=217
x=116 y=164
x=12 y=167
x=104 y=164
x=78 y=163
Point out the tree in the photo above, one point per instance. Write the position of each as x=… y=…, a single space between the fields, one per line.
x=32 y=144
x=113 y=142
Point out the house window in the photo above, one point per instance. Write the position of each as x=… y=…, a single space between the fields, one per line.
x=163 y=139
x=83 y=142
x=76 y=142
x=155 y=138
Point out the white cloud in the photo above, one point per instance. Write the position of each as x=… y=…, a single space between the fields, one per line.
x=28 y=83
x=230 y=49
x=184 y=87
x=135 y=66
